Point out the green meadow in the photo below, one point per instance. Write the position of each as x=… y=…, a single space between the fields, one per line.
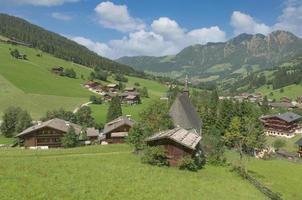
x=291 y=91
x=31 y=85
x=281 y=176
x=111 y=172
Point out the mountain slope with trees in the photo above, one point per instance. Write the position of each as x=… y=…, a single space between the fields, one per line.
x=57 y=45
x=245 y=50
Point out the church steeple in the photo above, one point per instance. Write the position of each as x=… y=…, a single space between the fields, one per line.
x=186 y=88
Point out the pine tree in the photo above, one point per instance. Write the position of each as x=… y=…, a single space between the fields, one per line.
x=115 y=109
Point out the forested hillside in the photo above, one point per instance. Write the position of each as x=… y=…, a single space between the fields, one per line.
x=224 y=58
x=57 y=45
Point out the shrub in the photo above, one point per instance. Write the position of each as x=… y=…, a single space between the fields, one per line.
x=278 y=144
x=70 y=139
x=70 y=73
x=120 y=77
x=137 y=84
x=95 y=100
x=155 y=156
x=187 y=163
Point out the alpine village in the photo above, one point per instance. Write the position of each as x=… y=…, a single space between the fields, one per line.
x=168 y=112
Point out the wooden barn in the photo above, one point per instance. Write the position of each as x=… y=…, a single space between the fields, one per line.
x=299 y=143
x=177 y=142
x=284 y=125
x=117 y=130
x=47 y=133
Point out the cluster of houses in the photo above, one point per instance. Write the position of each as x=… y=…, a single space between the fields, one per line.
x=178 y=142
x=129 y=95
x=284 y=102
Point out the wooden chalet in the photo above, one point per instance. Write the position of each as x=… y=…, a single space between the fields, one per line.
x=47 y=133
x=285 y=99
x=299 y=143
x=117 y=130
x=284 y=125
x=286 y=105
x=299 y=99
x=91 y=84
x=112 y=87
x=57 y=70
x=184 y=114
x=177 y=143
x=130 y=89
x=92 y=134
x=132 y=99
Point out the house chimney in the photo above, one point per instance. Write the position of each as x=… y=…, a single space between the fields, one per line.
x=186 y=88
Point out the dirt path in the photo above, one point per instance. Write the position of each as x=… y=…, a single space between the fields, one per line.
x=84 y=104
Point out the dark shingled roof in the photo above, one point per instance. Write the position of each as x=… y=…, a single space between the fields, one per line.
x=288 y=116
x=299 y=142
x=186 y=138
x=120 y=121
x=184 y=114
x=55 y=123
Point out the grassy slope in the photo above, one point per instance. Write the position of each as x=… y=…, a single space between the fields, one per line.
x=281 y=176
x=88 y=173
x=291 y=91
x=32 y=86
x=4 y=140
x=290 y=145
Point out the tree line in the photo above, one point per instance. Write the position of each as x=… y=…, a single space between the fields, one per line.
x=59 y=46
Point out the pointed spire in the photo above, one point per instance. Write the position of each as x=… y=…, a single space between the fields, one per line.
x=186 y=88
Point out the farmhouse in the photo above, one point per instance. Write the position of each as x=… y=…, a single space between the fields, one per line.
x=130 y=89
x=184 y=114
x=299 y=143
x=47 y=133
x=117 y=130
x=112 y=87
x=92 y=134
x=177 y=142
x=286 y=105
x=57 y=70
x=284 y=125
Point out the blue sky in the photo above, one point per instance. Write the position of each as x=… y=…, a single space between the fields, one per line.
x=156 y=27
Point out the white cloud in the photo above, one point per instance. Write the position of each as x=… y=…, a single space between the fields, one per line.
x=165 y=37
x=39 y=2
x=204 y=35
x=61 y=16
x=117 y=17
x=168 y=28
x=100 y=48
x=243 y=23
x=291 y=18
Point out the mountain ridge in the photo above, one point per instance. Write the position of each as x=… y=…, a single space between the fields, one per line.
x=244 y=49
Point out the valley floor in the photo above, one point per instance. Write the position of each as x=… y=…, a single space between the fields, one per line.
x=110 y=172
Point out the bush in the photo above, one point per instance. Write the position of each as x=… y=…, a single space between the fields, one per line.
x=14 y=120
x=70 y=73
x=120 y=77
x=70 y=139
x=137 y=84
x=278 y=144
x=95 y=100
x=155 y=156
x=187 y=163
